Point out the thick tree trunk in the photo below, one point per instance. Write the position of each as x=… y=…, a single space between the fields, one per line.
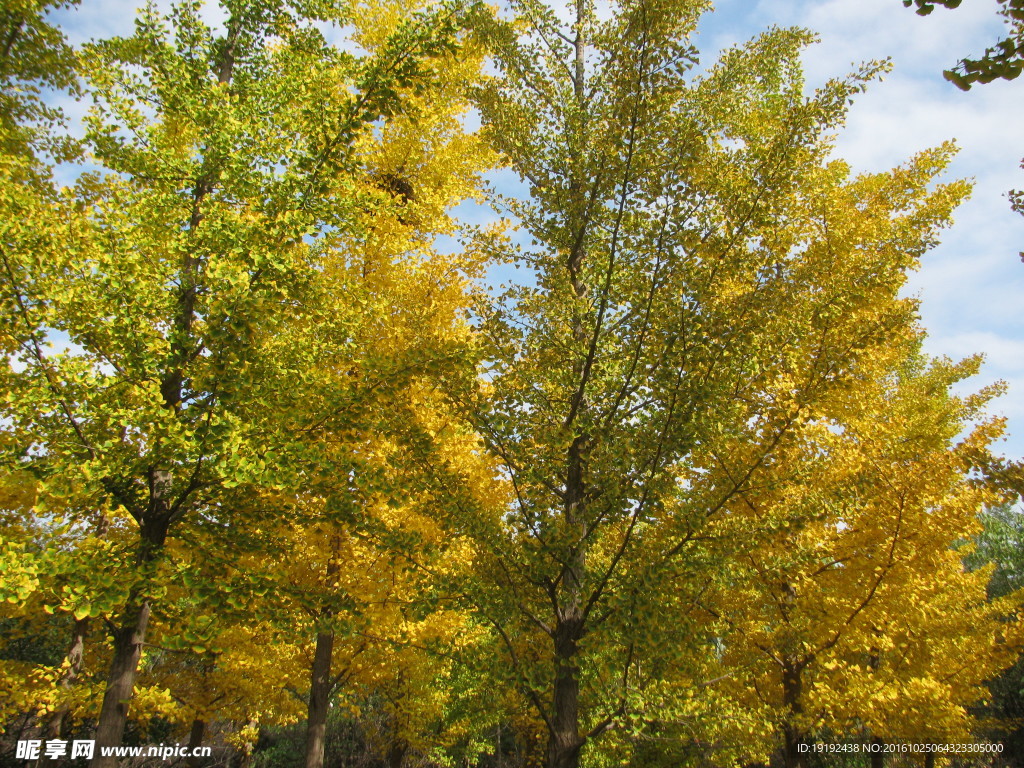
x=929 y=760
x=396 y=753
x=195 y=740
x=128 y=642
x=791 y=755
x=877 y=757
x=319 y=700
x=564 y=739
x=130 y=637
x=793 y=737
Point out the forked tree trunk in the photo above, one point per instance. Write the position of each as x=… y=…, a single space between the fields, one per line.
x=319 y=700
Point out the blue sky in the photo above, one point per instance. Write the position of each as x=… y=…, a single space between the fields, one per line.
x=971 y=287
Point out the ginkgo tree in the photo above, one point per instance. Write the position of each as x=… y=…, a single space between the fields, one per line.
x=229 y=193
x=1003 y=60
x=846 y=614
x=418 y=165
x=248 y=399
x=704 y=279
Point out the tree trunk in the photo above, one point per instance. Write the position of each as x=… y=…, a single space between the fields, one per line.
x=877 y=757
x=242 y=757
x=195 y=740
x=320 y=684
x=130 y=636
x=319 y=700
x=793 y=737
x=74 y=657
x=929 y=760
x=791 y=755
x=128 y=642
x=564 y=739
x=396 y=753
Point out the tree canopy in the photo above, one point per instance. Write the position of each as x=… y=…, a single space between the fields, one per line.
x=1004 y=60
x=271 y=455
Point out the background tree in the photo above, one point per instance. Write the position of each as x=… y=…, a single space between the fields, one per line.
x=1004 y=60
x=999 y=550
x=33 y=57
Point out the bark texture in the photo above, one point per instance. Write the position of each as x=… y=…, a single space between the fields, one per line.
x=319 y=700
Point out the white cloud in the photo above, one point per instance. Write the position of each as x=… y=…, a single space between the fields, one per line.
x=1005 y=353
